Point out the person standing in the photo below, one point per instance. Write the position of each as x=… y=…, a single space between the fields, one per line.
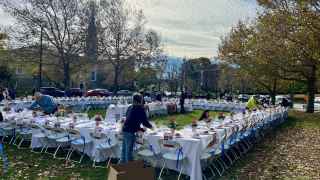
x=1 y=94
x=6 y=94
x=135 y=116
x=205 y=116
x=12 y=93
x=182 y=98
x=2 y=152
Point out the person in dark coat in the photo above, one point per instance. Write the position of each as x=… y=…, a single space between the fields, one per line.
x=182 y=99
x=135 y=117
x=1 y=94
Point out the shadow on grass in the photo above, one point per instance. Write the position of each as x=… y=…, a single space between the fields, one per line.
x=255 y=160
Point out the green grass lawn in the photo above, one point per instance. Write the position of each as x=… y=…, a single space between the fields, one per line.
x=289 y=152
x=181 y=119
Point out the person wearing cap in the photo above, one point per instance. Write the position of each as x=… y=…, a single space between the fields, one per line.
x=45 y=103
x=135 y=117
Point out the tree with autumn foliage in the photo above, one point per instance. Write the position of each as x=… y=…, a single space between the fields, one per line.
x=280 y=46
x=246 y=49
x=296 y=25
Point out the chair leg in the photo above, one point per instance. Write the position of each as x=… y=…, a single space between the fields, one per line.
x=32 y=150
x=15 y=140
x=228 y=158
x=20 y=143
x=67 y=156
x=217 y=169
x=180 y=173
x=108 y=164
x=161 y=171
x=211 y=170
x=70 y=154
x=12 y=139
x=55 y=153
x=234 y=153
x=81 y=158
x=222 y=164
x=43 y=148
x=46 y=151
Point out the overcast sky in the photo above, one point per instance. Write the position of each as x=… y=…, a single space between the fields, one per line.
x=190 y=28
x=194 y=27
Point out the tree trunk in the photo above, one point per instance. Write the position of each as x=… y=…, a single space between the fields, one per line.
x=274 y=92
x=273 y=98
x=116 y=80
x=312 y=80
x=66 y=75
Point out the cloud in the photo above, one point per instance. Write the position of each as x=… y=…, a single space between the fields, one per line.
x=194 y=27
x=5 y=19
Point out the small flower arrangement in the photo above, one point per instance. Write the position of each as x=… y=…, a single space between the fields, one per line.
x=71 y=125
x=61 y=112
x=98 y=119
x=74 y=119
x=221 y=116
x=6 y=109
x=194 y=123
x=208 y=120
x=34 y=114
x=98 y=129
x=173 y=124
x=232 y=115
x=57 y=124
x=47 y=122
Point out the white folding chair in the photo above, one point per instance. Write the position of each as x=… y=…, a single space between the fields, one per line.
x=173 y=151
x=105 y=146
x=79 y=144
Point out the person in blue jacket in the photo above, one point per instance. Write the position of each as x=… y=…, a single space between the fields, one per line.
x=45 y=103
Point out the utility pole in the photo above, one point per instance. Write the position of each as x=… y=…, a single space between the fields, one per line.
x=40 y=60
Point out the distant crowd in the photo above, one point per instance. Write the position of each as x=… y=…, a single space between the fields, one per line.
x=7 y=94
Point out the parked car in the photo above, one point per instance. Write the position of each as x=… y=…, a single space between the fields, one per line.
x=124 y=93
x=98 y=92
x=52 y=91
x=74 y=92
x=228 y=97
x=279 y=99
x=243 y=97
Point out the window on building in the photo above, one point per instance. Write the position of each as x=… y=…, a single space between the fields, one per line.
x=93 y=76
x=19 y=70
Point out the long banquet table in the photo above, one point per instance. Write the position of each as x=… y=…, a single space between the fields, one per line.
x=193 y=146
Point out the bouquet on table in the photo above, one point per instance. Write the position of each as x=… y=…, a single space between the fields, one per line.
x=98 y=129
x=194 y=125
x=173 y=125
x=59 y=114
x=232 y=116
x=221 y=116
x=73 y=123
x=208 y=121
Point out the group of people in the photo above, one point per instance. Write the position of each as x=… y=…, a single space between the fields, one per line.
x=7 y=94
